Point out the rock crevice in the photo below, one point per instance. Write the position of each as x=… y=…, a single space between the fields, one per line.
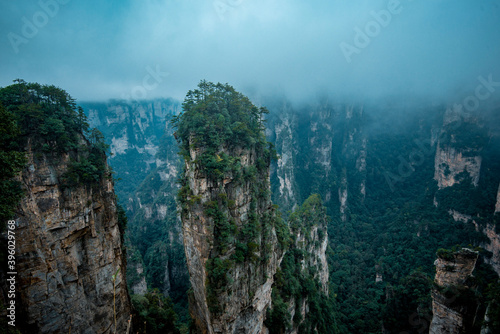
x=450 y=313
x=69 y=246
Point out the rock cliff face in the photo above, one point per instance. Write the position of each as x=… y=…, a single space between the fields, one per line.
x=139 y=286
x=229 y=296
x=134 y=131
x=321 y=146
x=308 y=227
x=155 y=227
x=450 y=162
x=456 y=153
x=459 y=153
x=493 y=246
x=285 y=169
x=146 y=160
x=69 y=247
x=314 y=245
x=450 y=313
x=233 y=237
x=488 y=229
x=497 y=205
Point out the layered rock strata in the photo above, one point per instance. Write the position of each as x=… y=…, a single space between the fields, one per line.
x=450 y=311
x=231 y=289
x=69 y=247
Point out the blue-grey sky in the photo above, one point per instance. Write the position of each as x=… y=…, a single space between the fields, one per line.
x=161 y=48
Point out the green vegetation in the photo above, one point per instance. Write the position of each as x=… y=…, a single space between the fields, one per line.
x=155 y=314
x=469 y=138
x=12 y=160
x=408 y=304
x=311 y=213
x=155 y=242
x=215 y=115
x=390 y=232
x=446 y=254
x=220 y=126
x=46 y=113
x=90 y=165
x=49 y=122
x=295 y=284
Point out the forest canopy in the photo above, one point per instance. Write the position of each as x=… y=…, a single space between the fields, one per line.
x=214 y=114
x=46 y=120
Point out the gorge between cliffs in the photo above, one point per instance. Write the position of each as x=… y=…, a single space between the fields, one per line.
x=230 y=217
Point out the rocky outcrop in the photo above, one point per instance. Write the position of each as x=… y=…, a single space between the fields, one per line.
x=136 y=277
x=451 y=312
x=285 y=171
x=231 y=288
x=450 y=162
x=492 y=246
x=132 y=125
x=343 y=194
x=308 y=226
x=488 y=229
x=134 y=130
x=456 y=153
x=316 y=144
x=154 y=225
x=311 y=237
x=497 y=205
x=69 y=247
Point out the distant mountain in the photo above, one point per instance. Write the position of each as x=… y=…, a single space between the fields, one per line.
x=399 y=181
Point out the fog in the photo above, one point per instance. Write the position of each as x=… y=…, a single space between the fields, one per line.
x=409 y=49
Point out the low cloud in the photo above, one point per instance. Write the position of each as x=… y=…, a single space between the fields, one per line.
x=98 y=50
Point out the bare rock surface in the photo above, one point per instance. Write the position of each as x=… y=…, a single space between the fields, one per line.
x=69 y=246
x=244 y=300
x=449 y=316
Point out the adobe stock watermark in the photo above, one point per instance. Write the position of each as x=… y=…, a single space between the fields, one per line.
x=222 y=7
x=12 y=273
x=31 y=26
x=363 y=37
x=407 y=166
x=150 y=82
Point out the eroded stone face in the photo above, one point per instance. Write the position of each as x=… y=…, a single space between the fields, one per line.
x=497 y=206
x=457 y=270
x=69 y=247
x=247 y=296
x=452 y=273
x=449 y=163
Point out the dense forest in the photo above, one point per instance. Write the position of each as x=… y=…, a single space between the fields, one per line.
x=393 y=230
x=383 y=240
x=46 y=121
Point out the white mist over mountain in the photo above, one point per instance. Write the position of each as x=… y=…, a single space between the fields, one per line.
x=161 y=48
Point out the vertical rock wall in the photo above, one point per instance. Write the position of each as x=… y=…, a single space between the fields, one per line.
x=450 y=313
x=239 y=304
x=450 y=162
x=308 y=226
x=68 y=246
x=285 y=171
x=497 y=205
x=317 y=144
x=453 y=156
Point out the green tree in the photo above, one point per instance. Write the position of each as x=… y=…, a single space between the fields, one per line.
x=155 y=314
x=11 y=162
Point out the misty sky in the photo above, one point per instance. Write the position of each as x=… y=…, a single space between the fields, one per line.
x=161 y=48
